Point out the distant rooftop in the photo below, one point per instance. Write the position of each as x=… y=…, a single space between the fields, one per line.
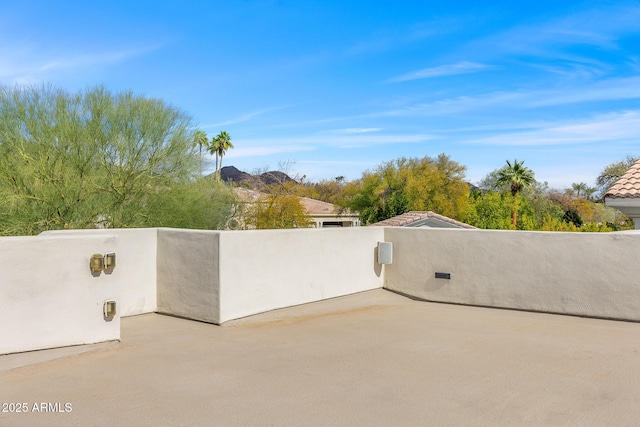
x=318 y=207
x=311 y=206
x=423 y=219
x=628 y=186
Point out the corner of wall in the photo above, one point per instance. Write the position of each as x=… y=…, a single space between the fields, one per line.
x=187 y=274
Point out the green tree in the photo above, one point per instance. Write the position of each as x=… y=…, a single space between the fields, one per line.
x=277 y=205
x=612 y=172
x=579 y=188
x=490 y=210
x=589 y=192
x=517 y=177
x=572 y=217
x=89 y=159
x=200 y=140
x=200 y=204
x=219 y=146
x=330 y=191
x=538 y=203
x=276 y=211
x=405 y=184
x=490 y=182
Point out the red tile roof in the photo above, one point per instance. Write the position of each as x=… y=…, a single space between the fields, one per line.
x=628 y=186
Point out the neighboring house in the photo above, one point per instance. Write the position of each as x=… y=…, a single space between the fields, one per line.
x=248 y=196
x=624 y=195
x=423 y=219
x=322 y=214
x=325 y=214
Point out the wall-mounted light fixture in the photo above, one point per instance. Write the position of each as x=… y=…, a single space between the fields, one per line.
x=110 y=261
x=109 y=309
x=99 y=262
x=96 y=263
x=385 y=252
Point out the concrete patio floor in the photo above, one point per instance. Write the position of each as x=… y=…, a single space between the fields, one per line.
x=375 y=358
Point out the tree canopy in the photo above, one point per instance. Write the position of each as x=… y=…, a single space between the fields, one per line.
x=612 y=172
x=219 y=146
x=517 y=177
x=91 y=159
x=403 y=185
x=201 y=141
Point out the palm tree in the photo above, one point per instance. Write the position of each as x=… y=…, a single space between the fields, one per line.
x=220 y=144
x=214 y=149
x=517 y=177
x=580 y=188
x=200 y=140
x=588 y=193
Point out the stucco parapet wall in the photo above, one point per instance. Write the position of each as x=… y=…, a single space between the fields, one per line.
x=585 y=274
x=136 y=261
x=188 y=281
x=49 y=296
x=262 y=270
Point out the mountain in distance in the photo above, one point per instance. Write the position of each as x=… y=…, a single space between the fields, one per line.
x=244 y=179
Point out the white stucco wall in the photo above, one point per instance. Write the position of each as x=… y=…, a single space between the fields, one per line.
x=589 y=274
x=50 y=298
x=135 y=265
x=188 y=280
x=48 y=295
x=263 y=270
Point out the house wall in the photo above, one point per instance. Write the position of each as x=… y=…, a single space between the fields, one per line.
x=586 y=274
x=346 y=220
x=263 y=270
x=50 y=297
x=188 y=274
x=135 y=263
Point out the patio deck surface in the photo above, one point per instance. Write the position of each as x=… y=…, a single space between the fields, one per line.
x=375 y=358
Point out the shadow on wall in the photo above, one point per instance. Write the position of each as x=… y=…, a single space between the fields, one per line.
x=377 y=267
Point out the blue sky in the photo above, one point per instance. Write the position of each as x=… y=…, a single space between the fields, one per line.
x=337 y=87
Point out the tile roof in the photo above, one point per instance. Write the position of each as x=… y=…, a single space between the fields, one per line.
x=628 y=186
x=311 y=206
x=246 y=195
x=408 y=218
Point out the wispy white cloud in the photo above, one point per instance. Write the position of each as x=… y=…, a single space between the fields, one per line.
x=264 y=150
x=572 y=70
x=605 y=90
x=463 y=67
x=634 y=62
x=248 y=147
x=350 y=141
x=89 y=60
x=19 y=66
x=351 y=131
x=321 y=169
x=500 y=102
x=334 y=162
x=609 y=128
x=385 y=39
x=599 y=27
x=245 y=117
x=568 y=43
